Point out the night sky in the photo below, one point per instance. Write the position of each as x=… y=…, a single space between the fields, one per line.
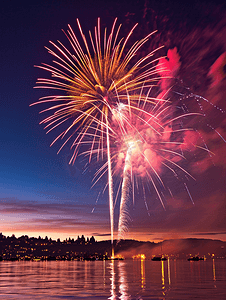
x=40 y=194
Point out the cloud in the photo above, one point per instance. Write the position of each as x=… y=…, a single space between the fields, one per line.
x=101 y=234
x=168 y=68
x=31 y=216
x=210 y=233
x=217 y=70
x=13 y=205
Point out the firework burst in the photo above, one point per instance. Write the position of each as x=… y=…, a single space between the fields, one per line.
x=105 y=106
x=96 y=79
x=151 y=143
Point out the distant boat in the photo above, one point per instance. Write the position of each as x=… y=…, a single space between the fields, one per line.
x=158 y=258
x=195 y=258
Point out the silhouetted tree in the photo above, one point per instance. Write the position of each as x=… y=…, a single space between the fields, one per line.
x=92 y=240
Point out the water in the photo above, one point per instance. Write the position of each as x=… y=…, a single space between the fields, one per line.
x=128 y=279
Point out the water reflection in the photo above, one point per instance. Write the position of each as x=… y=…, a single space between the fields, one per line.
x=104 y=273
x=112 y=279
x=163 y=279
x=214 y=274
x=123 y=286
x=214 y=271
x=166 y=274
x=119 y=278
x=129 y=279
x=139 y=268
x=169 y=280
x=142 y=271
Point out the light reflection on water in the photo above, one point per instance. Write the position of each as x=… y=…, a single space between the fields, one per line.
x=129 y=279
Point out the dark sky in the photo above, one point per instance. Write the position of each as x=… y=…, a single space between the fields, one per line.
x=40 y=194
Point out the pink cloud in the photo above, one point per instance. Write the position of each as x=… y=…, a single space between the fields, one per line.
x=168 y=67
x=217 y=72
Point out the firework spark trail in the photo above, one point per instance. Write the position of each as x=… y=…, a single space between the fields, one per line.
x=124 y=204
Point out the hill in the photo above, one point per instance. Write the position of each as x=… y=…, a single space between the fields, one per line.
x=178 y=248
